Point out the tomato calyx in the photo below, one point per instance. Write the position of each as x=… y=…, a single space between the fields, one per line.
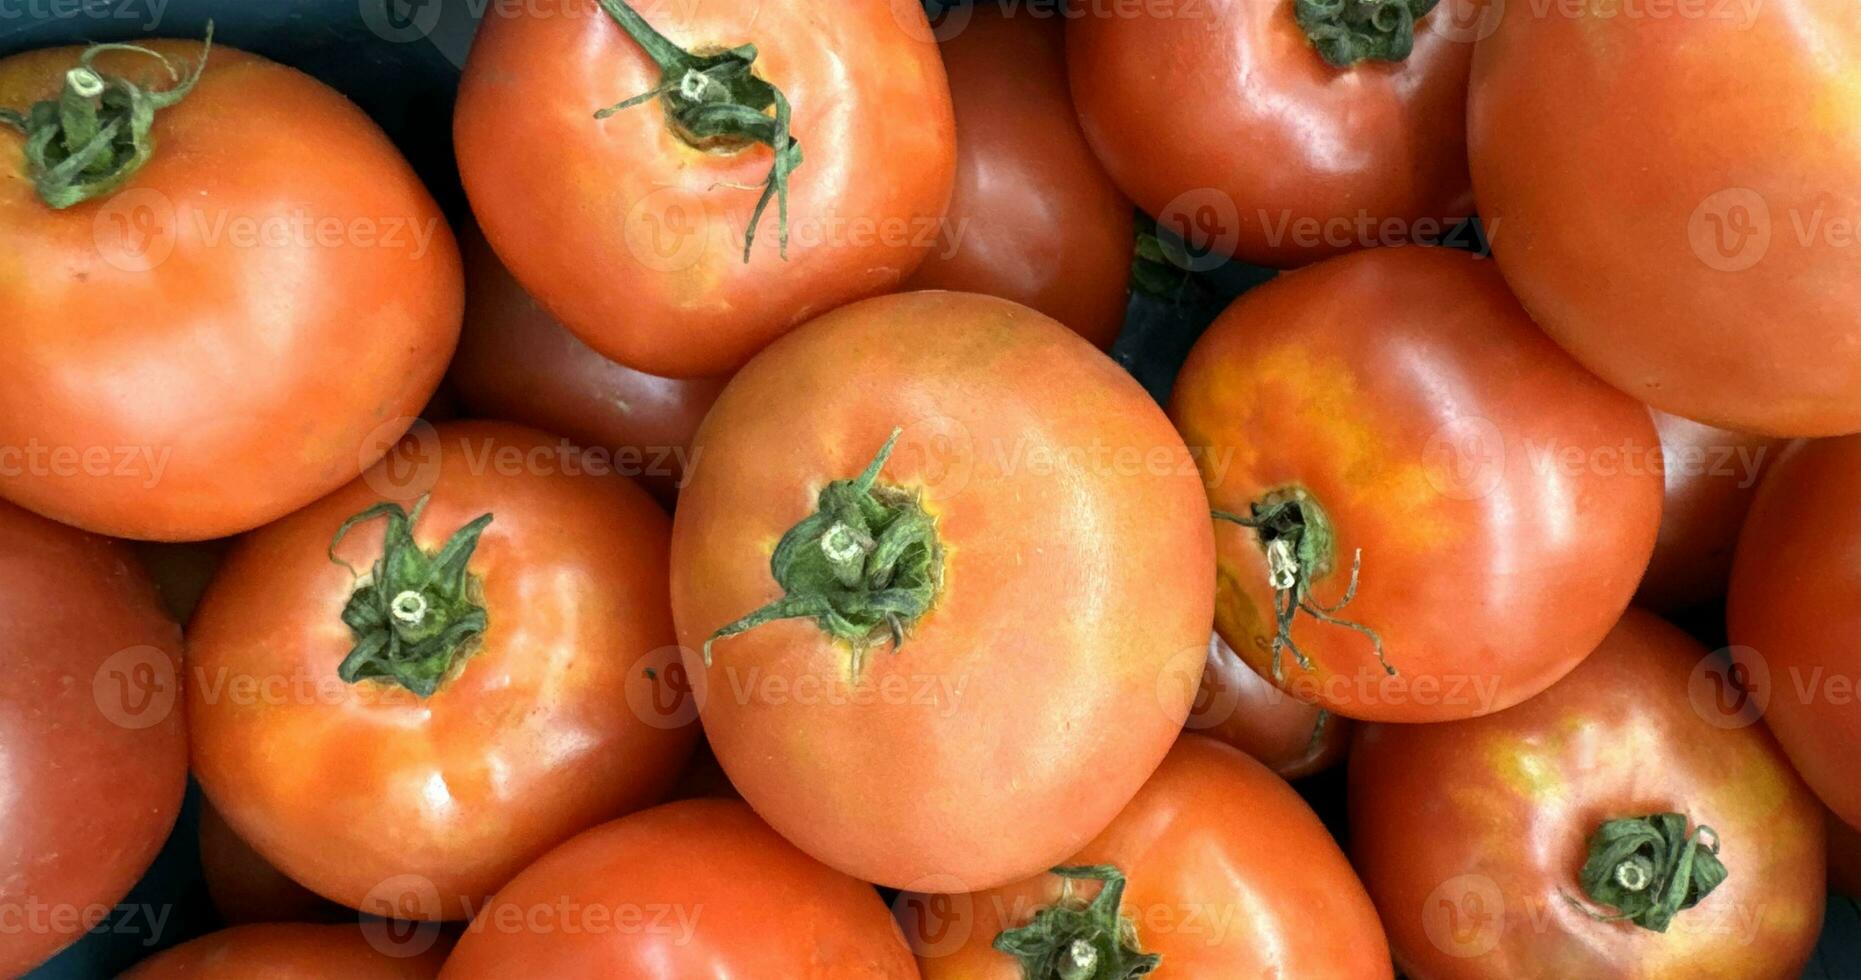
x=1649 y=869
x=1074 y=940
x=1348 y=31
x=864 y=566
x=715 y=102
x=417 y=612
x=1296 y=536
x=95 y=135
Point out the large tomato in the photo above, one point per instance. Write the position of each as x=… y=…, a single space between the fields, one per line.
x=1710 y=271
x=1239 y=133
x=697 y=888
x=1794 y=614
x=504 y=677
x=1223 y=870
x=668 y=234
x=1238 y=706
x=245 y=887
x=1450 y=513
x=1711 y=475
x=94 y=750
x=293 y=951
x=1616 y=826
x=1034 y=219
x=1010 y=603
x=516 y=362
x=228 y=332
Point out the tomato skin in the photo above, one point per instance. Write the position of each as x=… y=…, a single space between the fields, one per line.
x=516 y=362
x=1407 y=392
x=549 y=727
x=1201 y=889
x=1051 y=658
x=288 y=951
x=1793 y=618
x=1238 y=706
x=1214 y=114
x=1034 y=217
x=718 y=894
x=1510 y=800
x=640 y=251
x=245 y=887
x=1711 y=475
x=205 y=403
x=87 y=699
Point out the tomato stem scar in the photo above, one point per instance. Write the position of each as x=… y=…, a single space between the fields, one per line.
x=1074 y=940
x=1348 y=31
x=1649 y=869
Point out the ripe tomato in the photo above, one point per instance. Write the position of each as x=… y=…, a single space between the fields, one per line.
x=1711 y=475
x=1238 y=706
x=290 y=951
x=1035 y=218
x=697 y=888
x=94 y=754
x=1397 y=408
x=1794 y=614
x=521 y=695
x=642 y=243
x=1029 y=578
x=515 y=362
x=238 y=328
x=1200 y=890
x=1227 y=123
x=245 y=887
x=1709 y=272
x=1478 y=838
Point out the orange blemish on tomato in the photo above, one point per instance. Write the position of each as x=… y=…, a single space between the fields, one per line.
x=1528 y=769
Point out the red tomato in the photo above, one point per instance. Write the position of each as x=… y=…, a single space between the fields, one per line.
x=1035 y=537
x=641 y=242
x=245 y=887
x=1477 y=838
x=515 y=362
x=1710 y=271
x=698 y=888
x=293 y=951
x=1200 y=890
x=1794 y=614
x=1238 y=706
x=1034 y=219
x=1397 y=408
x=237 y=329
x=1225 y=122
x=1711 y=475
x=93 y=756
x=528 y=687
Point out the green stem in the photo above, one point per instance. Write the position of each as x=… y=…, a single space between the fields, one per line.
x=1649 y=869
x=1074 y=940
x=1348 y=31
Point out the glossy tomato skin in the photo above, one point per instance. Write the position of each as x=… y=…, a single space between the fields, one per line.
x=1793 y=617
x=1054 y=668
x=1227 y=873
x=1505 y=502
x=1223 y=122
x=567 y=712
x=245 y=887
x=1709 y=273
x=712 y=892
x=291 y=951
x=640 y=248
x=161 y=386
x=516 y=362
x=1034 y=218
x=95 y=746
x=1710 y=475
x=1238 y=706
x=1470 y=835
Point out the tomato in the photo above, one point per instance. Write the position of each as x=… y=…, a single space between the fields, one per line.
x=1200 y=892
x=1029 y=596
x=1245 y=710
x=652 y=242
x=688 y=889
x=406 y=744
x=1711 y=475
x=1227 y=123
x=1034 y=218
x=1451 y=513
x=245 y=887
x=93 y=756
x=1493 y=849
x=1794 y=617
x=515 y=362
x=294 y=951
x=1710 y=272
x=239 y=327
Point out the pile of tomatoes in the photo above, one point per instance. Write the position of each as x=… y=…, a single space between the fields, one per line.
x=731 y=551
